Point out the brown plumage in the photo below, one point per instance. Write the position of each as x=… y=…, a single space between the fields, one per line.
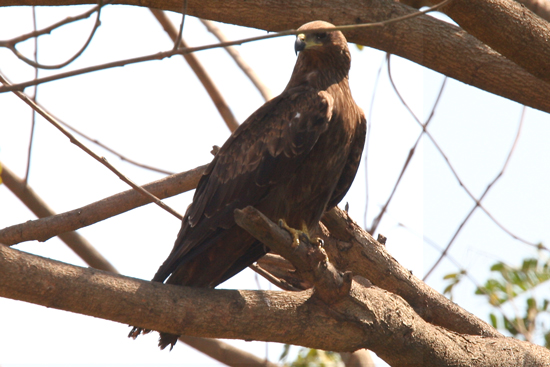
x=292 y=159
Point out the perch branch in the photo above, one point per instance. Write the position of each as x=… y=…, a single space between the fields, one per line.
x=365 y=317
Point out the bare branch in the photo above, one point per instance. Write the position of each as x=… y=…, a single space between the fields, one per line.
x=352 y=248
x=75 y=241
x=508 y=28
x=424 y=126
x=200 y=72
x=451 y=51
x=111 y=150
x=226 y=353
x=43 y=229
x=232 y=51
x=12 y=43
x=366 y=317
x=478 y=201
x=50 y=118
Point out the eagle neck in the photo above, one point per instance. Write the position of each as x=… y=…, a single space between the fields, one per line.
x=321 y=70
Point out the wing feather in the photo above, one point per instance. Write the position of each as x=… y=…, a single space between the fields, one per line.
x=267 y=148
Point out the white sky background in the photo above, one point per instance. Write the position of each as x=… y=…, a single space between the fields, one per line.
x=159 y=114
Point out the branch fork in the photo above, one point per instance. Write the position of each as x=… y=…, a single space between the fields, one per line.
x=309 y=259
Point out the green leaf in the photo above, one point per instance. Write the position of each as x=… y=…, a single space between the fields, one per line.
x=493 y=320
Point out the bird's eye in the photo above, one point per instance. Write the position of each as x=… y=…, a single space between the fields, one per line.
x=321 y=36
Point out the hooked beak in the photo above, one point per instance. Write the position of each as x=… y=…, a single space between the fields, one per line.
x=300 y=43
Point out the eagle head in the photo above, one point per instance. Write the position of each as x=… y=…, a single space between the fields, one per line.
x=311 y=39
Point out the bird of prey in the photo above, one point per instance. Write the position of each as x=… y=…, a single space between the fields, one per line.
x=292 y=159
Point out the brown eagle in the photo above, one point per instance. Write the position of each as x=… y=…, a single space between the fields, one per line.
x=292 y=159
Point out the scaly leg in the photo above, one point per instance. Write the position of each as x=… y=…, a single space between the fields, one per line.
x=295 y=233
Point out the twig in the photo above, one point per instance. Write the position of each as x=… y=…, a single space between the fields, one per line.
x=478 y=201
x=50 y=28
x=177 y=41
x=187 y=50
x=281 y=283
x=102 y=160
x=34 y=96
x=111 y=150
x=200 y=72
x=424 y=126
x=367 y=143
x=455 y=174
x=11 y=45
x=232 y=51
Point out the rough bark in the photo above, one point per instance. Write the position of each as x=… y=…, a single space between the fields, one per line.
x=348 y=246
x=509 y=28
x=216 y=349
x=364 y=317
x=425 y=40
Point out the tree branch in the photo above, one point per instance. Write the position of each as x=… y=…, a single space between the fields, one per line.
x=509 y=28
x=226 y=353
x=232 y=51
x=425 y=40
x=51 y=119
x=366 y=317
x=352 y=248
x=46 y=228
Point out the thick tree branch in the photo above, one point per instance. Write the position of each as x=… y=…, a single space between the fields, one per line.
x=425 y=40
x=348 y=246
x=352 y=248
x=216 y=349
x=539 y=7
x=509 y=28
x=367 y=317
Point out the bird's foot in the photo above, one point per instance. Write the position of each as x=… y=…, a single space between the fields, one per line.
x=296 y=233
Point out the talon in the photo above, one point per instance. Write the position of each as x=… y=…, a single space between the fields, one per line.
x=321 y=244
x=295 y=233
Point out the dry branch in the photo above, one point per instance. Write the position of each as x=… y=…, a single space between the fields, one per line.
x=54 y=121
x=226 y=353
x=366 y=317
x=46 y=228
x=216 y=349
x=232 y=51
x=425 y=40
x=350 y=247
